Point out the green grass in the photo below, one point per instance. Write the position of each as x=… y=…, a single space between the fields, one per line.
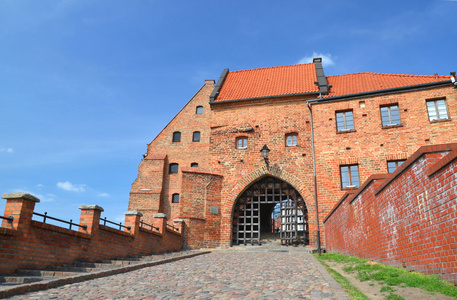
x=351 y=290
x=391 y=276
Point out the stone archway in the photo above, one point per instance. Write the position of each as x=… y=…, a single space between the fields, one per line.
x=252 y=215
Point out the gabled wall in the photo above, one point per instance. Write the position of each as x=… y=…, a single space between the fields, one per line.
x=406 y=219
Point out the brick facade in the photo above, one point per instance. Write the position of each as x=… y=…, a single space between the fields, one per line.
x=209 y=193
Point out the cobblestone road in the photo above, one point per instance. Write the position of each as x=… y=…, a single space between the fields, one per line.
x=229 y=274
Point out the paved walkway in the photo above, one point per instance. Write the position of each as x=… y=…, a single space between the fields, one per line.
x=242 y=273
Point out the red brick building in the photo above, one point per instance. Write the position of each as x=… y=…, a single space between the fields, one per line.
x=206 y=166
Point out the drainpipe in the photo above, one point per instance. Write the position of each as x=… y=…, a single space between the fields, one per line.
x=315 y=180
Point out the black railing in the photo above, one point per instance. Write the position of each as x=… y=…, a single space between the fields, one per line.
x=142 y=225
x=45 y=216
x=172 y=227
x=117 y=224
x=10 y=219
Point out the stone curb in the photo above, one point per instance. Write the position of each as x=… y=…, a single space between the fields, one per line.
x=339 y=291
x=53 y=283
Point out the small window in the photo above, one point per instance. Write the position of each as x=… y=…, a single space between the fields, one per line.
x=176 y=136
x=194 y=165
x=241 y=143
x=344 y=121
x=349 y=176
x=196 y=136
x=174 y=168
x=291 y=139
x=175 y=198
x=390 y=115
x=199 y=110
x=437 y=110
x=393 y=165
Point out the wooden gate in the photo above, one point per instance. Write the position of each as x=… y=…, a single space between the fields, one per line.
x=265 y=194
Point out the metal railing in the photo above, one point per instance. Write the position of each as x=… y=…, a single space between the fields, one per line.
x=117 y=224
x=142 y=225
x=172 y=227
x=10 y=219
x=45 y=216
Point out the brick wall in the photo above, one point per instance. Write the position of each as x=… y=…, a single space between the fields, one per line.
x=26 y=243
x=405 y=219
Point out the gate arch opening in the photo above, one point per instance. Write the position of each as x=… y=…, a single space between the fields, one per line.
x=270 y=208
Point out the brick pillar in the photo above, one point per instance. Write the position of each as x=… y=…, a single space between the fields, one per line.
x=132 y=219
x=20 y=206
x=179 y=223
x=90 y=216
x=160 y=220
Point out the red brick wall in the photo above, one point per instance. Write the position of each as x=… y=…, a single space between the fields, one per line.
x=31 y=244
x=405 y=219
x=371 y=145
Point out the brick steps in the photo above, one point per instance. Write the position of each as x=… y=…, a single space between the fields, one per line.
x=25 y=280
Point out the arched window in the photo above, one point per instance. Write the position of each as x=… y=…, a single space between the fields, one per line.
x=199 y=110
x=176 y=136
x=175 y=198
x=173 y=168
x=194 y=165
x=196 y=136
x=242 y=142
x=291 y=139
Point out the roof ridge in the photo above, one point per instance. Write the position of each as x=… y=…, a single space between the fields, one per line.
x=389 y=74
x=274 y=67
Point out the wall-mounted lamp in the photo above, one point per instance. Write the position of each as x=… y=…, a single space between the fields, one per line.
x=454 y=79
x=265 y=151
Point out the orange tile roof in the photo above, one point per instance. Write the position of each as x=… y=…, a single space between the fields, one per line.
x=272 y=81
x=367 y=82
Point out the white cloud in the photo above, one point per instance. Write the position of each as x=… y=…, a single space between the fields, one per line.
x=103 y=195
x=68 y=186
x=7 y=150
x=326 y=59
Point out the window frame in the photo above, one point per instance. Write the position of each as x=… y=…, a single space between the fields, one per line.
x=173 y=200
x=244 y=144
x=176 y=138
x=171 y=168
x=194 y=135
x=350 y=177
x=389 y=112
x=345 y=120
x=292 y=138
x=199 y=110
x=397 y=162
x=436 y=108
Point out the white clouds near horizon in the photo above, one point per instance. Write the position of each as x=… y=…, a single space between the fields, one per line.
x=326 y=59
x=68 y=186
x=7 y=150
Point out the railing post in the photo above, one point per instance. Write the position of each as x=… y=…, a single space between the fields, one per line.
x=132 y=220
x=20 y=206
x=179 y=223
x=90 y=216
x=160 y=220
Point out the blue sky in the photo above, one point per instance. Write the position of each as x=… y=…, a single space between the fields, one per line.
x=85 y=85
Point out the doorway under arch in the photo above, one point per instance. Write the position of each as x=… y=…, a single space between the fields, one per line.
x=270 y=207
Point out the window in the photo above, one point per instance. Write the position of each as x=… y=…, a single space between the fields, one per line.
x=344 y=121
x=175 y=198
x=393 y=165
x=291 y=139
x=176 y=136
x=173 y=168
x=390 y=115
x=194 y=165
x=199 y=110
x=196 y=136
x=241 y=143
x=437 y=110
x=349 y=176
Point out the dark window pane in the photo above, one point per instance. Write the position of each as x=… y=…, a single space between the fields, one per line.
x=194 y=165
x=175 y=198
x=174 y=168
x=196 y=136
x=199 y=110
x=176 y=136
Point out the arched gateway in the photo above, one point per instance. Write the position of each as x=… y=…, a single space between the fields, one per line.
x=270 y=207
